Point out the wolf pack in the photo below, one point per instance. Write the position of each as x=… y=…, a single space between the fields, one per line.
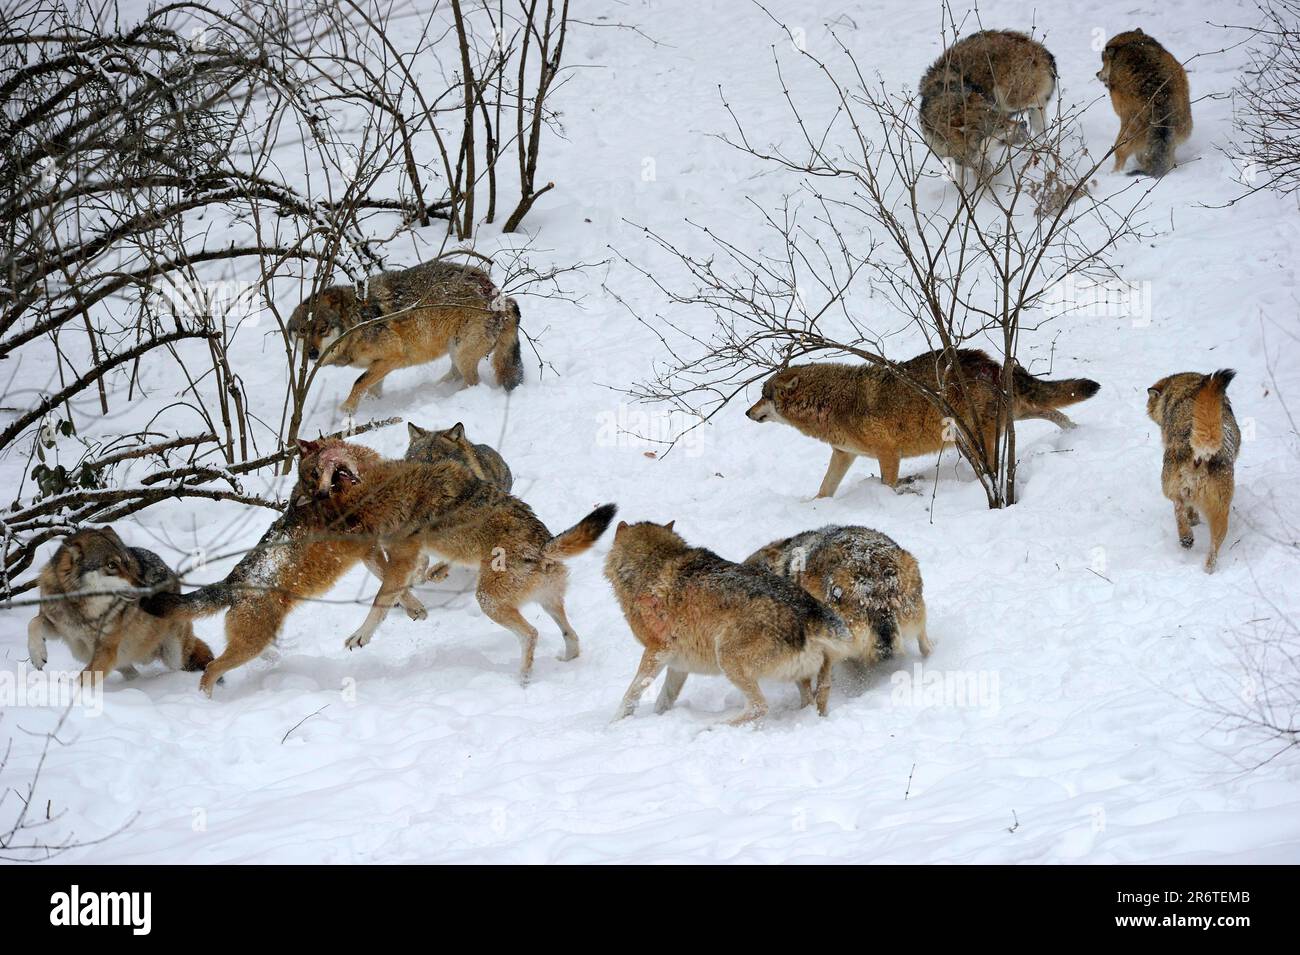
x=791 y=611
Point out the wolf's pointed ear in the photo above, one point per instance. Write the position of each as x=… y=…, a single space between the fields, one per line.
x=669 y=525
x=415 y=431
x=788 y=384
x=1153 y=392
x=307 y=447
x=621 y=525
x=456 y=431
x=1139 y=32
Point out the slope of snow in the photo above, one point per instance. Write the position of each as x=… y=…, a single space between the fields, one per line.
x=1100 y=645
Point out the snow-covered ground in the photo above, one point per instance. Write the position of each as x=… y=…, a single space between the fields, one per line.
x=1100 y=646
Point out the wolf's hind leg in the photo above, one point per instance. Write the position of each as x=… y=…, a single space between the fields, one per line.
x=249 y=630
x=507 y=615
x=1184 y=523
x=1217 y=517
x=376 y=563
x=746 y=683
x=554 y=607
x=671 y=689
x=1050 y=414
x=824 y=686
x=398 y=570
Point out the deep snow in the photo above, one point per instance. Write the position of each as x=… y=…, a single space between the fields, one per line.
x=1100 y=644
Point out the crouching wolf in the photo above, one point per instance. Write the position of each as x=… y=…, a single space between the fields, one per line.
x=90 y=594
x=971 y=92
x=868 y=410
x=1201 y=442
x=697 y=613
x=1149 y=91
x=872 y=583
x=410 y=317
x=363 y=507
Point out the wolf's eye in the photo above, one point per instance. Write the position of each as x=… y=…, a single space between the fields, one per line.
x=112 y=567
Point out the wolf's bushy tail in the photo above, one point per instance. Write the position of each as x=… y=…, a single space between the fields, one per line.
x=506 y=360
x=581 y=535
x=203 y=602
x=1207 y=414
x=1159 y=150
x=1052 y=394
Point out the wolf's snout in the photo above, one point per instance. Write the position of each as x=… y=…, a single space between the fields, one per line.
x=313 y=353
x=757 y=413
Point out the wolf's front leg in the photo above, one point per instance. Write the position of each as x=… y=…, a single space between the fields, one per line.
x=37 y=631
x=372 y=377
x=400 y=566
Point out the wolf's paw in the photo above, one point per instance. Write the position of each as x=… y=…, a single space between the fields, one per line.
x=438 y=572
x=570 y=652
x=36 y=651
x=357 y=641
x=622 y=713
x=418 y=612
x=348 y=409
x=1186 y=541
x=662 y=706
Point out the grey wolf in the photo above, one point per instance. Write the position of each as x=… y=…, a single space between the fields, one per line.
x=864 y=576
x=695 y=612
x=391 y=512
x=91 y=591
x=1201 y=441
x=870 y=410
x=1149 y=91
x=409 y=317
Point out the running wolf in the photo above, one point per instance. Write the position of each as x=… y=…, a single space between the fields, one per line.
x=409 y=317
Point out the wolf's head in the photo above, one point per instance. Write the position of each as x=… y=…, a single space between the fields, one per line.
x=330 y=468
x=96 y=562
x=318 y=321
x=775 y=391
x=426 y=445
x=1113 y=46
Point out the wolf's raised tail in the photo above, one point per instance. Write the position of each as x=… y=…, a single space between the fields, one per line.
x=506 y=360
x=581 y=535
x=1207 y=414
x=203 y=602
